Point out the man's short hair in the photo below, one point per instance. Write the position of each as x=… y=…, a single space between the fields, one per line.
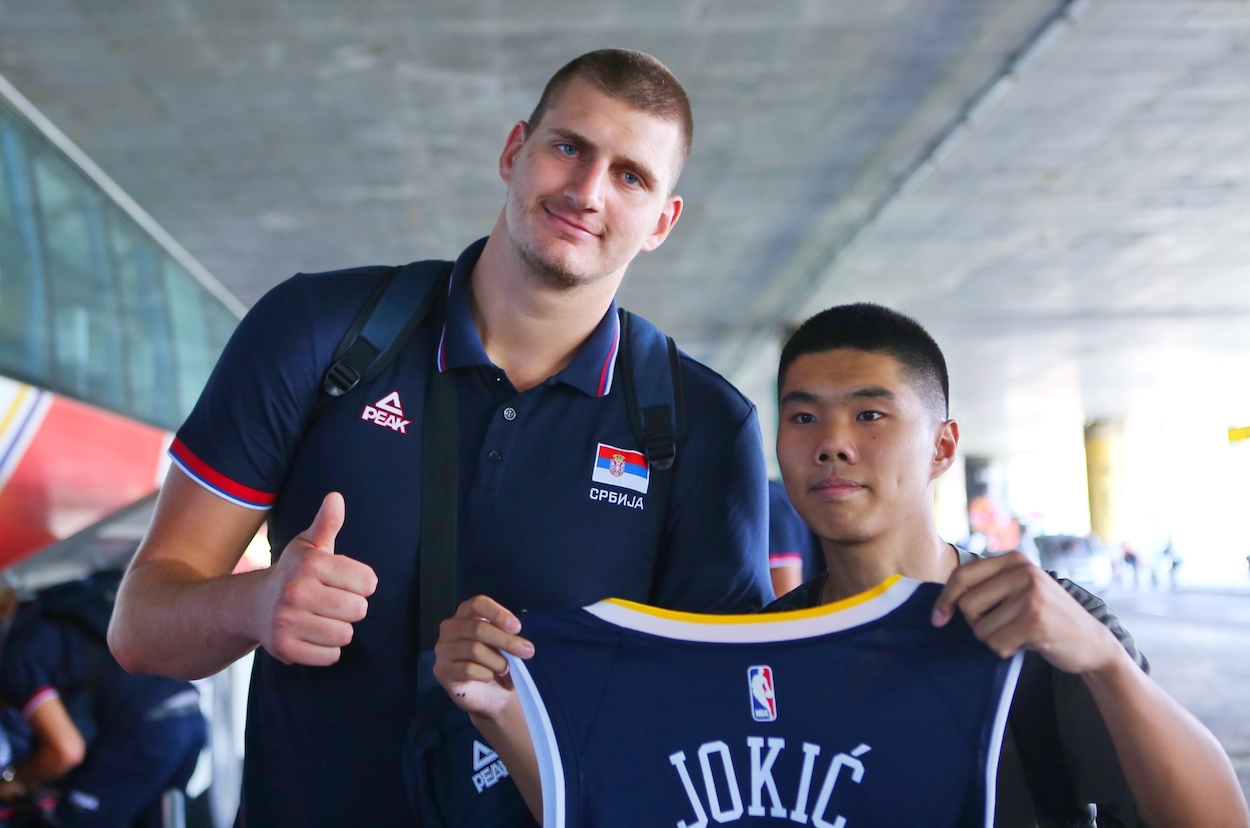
x=878 y=330
x=634 y=78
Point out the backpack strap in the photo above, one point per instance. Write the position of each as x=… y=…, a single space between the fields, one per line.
x=397 y=306
x=440 y=502
x=383 y=324
x=1035 y=726
x=651 y=370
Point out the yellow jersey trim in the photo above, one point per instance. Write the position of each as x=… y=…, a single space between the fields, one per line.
x=759 y=618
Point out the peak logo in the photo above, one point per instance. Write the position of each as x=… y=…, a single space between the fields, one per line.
x=488 y=769
x=388 y=412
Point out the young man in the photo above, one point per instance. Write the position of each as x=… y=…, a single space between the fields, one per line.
x=864 y=433
x=531 y=336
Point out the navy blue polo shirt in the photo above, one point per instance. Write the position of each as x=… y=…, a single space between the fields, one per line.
x=790 y=541
x=538 y=528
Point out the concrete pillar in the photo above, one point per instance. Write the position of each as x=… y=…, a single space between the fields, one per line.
x=1104 y=464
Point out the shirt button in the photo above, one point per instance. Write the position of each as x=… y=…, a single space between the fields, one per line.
x=509 y=413
x=494 y=456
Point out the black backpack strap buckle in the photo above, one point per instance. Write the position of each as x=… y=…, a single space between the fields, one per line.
x=659 y=443
x=348 y=369
x=340 y=379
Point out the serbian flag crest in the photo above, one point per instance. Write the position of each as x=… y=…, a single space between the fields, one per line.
x=620 y=467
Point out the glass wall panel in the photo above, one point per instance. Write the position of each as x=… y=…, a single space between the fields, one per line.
x=85 y=334
x=23 y=313
x=91 y=305
x=149 y=361
x=193 y=348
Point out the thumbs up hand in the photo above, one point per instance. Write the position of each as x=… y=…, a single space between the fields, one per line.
x=313 y=595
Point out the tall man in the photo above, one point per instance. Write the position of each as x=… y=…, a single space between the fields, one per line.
x=531 y=335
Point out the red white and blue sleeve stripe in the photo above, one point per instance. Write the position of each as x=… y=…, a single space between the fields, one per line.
x=37 y=699
x=218 y=483
x=776 y=559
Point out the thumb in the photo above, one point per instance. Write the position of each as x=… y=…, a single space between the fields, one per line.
x=326 y=525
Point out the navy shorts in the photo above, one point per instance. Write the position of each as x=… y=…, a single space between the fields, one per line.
x=121 y=780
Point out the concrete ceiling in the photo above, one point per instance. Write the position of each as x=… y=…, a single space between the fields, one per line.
x=1082 y=250
x=274 y=136
x=1060 y=191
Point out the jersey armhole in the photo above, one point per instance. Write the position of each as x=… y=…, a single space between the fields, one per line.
x=546 y=748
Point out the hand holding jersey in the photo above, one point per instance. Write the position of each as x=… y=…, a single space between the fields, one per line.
x=470 y=665
x=469 y=661
x=1012 y=604
x=313 y=596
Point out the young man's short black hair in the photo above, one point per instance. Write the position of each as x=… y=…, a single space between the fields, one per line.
x=878 y=330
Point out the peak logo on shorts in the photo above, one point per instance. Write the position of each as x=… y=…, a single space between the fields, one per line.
x=489 y=769
x=388 y=412
x=763 y=693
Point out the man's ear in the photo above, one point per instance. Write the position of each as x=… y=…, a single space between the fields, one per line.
x=944 y=448
x=664 y=224
x=511 y=148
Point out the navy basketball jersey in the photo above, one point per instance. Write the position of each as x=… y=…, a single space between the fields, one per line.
x=858 y=714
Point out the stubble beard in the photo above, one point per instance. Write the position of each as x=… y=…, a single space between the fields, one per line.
x=549 y=273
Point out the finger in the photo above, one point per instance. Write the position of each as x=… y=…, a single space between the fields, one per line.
x=339 y=605
x=310 y=655
x=463 y=672
x=481 y=606
x=1009 y=620
x=1008 y=640
x=966 y=577
x=455 y=630
x=475 y=652
x=292 y=624
x=988 y=594
x=309 y=594
x=342 y=572
x=324 y=632
x=327 y=523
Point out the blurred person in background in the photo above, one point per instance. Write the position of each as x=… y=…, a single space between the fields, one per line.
x=1130 y=562
x=794 y=553
x=108 y=743
x=1166 y=566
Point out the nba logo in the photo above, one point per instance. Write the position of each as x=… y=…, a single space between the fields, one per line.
x=763 y=693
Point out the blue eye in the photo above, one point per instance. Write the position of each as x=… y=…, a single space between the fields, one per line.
x=567 y=149
x=631 y=179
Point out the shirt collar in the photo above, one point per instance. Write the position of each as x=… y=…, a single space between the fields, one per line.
x=460 y=346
